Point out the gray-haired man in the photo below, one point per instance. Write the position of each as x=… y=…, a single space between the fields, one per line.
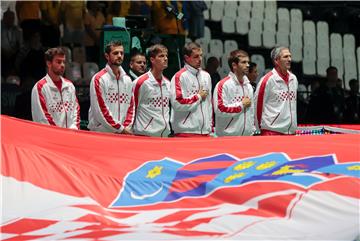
x=275 y=97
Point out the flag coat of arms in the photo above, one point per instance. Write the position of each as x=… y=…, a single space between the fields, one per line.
x=60 y=184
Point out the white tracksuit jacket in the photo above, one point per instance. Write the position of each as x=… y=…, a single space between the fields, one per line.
x=151 y=106
x=52 y=107
x=111 y=101
x=231 y=118
x=275 y=103
x=189 y=113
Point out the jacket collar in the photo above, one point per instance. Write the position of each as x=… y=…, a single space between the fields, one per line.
x=132 y=74
x=152 y=78
x=286 y=78
x=234 y=77
x=191 y=69
x=64 y=84
x=109 y=70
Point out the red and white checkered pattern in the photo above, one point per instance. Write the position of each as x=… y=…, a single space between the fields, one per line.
x=114 y=97
x=285 y=96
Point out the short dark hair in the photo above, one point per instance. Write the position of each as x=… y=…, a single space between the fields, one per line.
x=330 y=69
x=211 y=60
x=133 y=54
x=234 y=57
x=252 y=66
x=155 y=49
x=113 y=43
x=353 y=82
x=189 y=47
x=52 y=52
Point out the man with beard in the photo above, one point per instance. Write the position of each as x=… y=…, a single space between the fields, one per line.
x=233 y=97
x=191 y=96
x=111 y=99
x=152 y=95
x=275 y=97
x=53 y=98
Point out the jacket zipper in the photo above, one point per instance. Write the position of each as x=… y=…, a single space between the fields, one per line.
x=117 y=81
x=62 y=103
x=244 y=111
x=202 y=113
x=162 y=110
x=290 y=107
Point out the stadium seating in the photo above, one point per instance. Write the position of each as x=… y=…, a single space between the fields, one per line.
x=217 y=10
x=89 y=70
x=73 y=72
x=228 y=24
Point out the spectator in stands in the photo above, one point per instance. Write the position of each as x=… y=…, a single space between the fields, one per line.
x=111 y=98
x=212 y=64
x=117 y=9
x=164 y=17
x=53 y=98
x=275 y=97
x=11 y=40
x=152 y=95
x=29 y=62
x=125 y=8
x=233 y=97
x=137 y=65
x=352 y=103
x=94 y=20
x=9 y=92
x=327 y=102
x=253 y=74
x=50 y=16
x=195 y=11
x=72 y=14
x=191 y=97
x=29 y=18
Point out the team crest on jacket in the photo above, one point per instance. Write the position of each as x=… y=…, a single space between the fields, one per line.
x=168 y=180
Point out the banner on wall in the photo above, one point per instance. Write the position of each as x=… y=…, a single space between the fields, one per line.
x=66 y=184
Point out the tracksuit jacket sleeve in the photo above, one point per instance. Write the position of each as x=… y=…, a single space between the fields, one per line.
x=101 y=111
x=39 y=109
x=178 y=101
x=74 y=114
x=221 y=102
x=259 y=100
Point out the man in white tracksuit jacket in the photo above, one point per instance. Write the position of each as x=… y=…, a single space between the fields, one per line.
x=152 y=96
x=111 y=98
x=275 y=97
x=53 y=98
x=233 y=99
x=191 y=96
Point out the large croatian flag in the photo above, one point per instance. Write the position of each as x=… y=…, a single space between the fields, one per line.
x=63 y=184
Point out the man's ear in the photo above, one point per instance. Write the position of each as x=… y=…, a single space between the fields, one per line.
x=186 y=58
x=233 y=64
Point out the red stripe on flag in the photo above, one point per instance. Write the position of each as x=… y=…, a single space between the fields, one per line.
x=96 y=218
x=97 y=234
x=271 y=207
x=187 y=184
x=178 y=216
x=337 y=185
x=26 y=225
x=191 y=233
x=103 y=211
x=26 y=237
x=207 y=165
